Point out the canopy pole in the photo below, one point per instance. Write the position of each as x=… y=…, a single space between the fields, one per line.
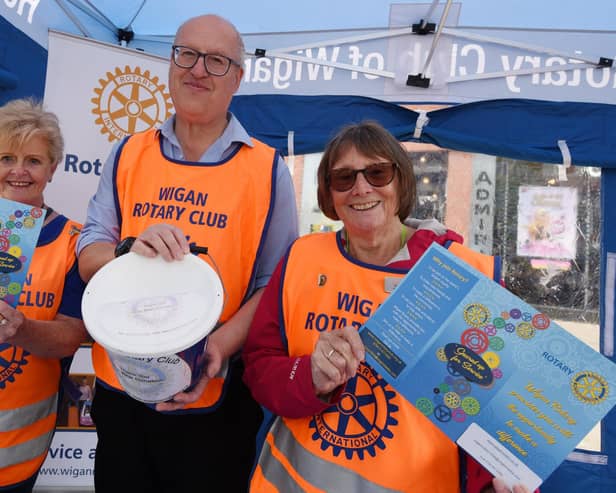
x=420 y=80
x=101 y=19
x=73 y=19
x=600 y=61
x=387 y=33
x=424 y=22
x=136 y=14
x=524 y=71
x=102 y=16
x=259 y=53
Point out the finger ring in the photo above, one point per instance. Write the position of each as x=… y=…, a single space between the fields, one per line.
x=331 y=351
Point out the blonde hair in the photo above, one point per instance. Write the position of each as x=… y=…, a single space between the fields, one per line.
x=24 y=119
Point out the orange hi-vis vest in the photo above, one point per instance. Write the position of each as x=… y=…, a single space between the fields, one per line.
x=373 y=440
x=28 y=383
x=224 y=206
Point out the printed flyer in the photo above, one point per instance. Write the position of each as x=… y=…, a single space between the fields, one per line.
x=510 y=386
x=20 y=226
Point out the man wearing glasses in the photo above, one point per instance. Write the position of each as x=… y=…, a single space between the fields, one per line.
x=221 y=189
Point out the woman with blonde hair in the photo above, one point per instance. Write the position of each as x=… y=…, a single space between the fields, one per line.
x=39 y=336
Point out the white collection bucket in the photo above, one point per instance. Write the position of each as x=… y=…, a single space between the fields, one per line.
x=153 y=318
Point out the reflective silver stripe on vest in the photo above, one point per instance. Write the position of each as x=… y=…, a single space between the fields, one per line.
x=320 y=473
x=25 y=451
x=275 y=472
x=15 y=419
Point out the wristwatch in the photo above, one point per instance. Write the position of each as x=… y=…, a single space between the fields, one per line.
x=124 y=246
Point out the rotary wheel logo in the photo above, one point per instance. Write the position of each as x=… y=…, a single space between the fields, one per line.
x=361 y=420
x=12 y=358
x=589 y=387
x=129 y=102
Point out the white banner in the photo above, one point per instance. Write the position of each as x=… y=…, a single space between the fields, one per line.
x=70 y=461
x=100 y=93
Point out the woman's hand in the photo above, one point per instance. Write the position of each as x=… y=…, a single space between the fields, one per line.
x=501 y=487
x=55 y=338
x=11 y=321
x=335 y=359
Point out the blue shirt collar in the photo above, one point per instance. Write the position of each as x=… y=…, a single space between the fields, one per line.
x=233 y=134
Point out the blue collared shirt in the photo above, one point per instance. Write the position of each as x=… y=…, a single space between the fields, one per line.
x=102 y=223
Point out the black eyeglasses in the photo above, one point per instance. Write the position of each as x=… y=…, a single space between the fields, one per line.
x=185 y=57
x=377 y=174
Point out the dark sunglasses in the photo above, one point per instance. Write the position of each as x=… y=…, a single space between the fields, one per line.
x=377 y=174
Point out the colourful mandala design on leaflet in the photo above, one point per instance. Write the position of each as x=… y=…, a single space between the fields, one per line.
x=452 y=400
x=492 y=358
x=475 y=339
x=455 y=397
x=490 y=329
x=461 y=386
x=12 y=258
x=525 y=330
x=361 y=422
x=541 y=321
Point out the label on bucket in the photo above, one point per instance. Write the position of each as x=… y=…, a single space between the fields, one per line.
x=155 y=310
x=168 y=317
x=152 y=379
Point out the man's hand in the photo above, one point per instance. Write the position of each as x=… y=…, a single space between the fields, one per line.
x=213 y=363
x=162 y=239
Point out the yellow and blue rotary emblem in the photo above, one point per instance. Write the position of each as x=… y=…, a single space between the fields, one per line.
x=589 y=387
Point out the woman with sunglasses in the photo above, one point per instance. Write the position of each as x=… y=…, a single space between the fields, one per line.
x=337 y=426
